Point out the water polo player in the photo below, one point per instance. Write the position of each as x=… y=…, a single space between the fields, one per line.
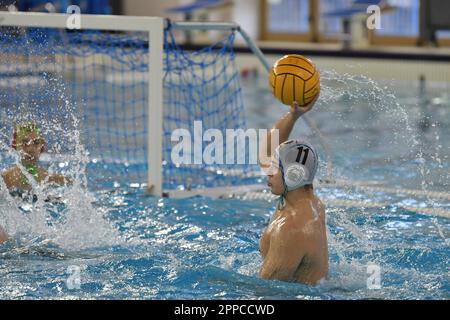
x=294 y=245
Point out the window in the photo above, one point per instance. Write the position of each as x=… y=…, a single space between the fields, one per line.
x=331 y=25
x=443 y=34
x=288 y=16
x=401 y=21
x=323 y=20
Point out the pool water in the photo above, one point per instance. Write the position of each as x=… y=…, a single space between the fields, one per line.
x=202 y=248
x=119 y=243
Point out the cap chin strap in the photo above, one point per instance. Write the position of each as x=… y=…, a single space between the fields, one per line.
x=281 y=200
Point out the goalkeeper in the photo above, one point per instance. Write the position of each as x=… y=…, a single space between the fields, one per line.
x=28 y=142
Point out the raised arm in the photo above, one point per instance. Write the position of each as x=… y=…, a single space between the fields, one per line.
x=55 y=178
x=59 y=179
x=284 y=128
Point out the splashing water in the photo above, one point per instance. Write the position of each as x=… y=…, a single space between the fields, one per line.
x=401 y=142
x=66 y=216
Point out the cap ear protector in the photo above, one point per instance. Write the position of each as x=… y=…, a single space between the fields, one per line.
x=295 y=176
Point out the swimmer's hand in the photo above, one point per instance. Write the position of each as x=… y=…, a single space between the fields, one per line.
x=59 y=180
x=296 y=111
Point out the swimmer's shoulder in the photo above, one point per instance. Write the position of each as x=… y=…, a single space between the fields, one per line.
x=8 y=172
x=291 y=221
x=309 y=209
x=320 y=205
x=11 y=175
x=317 y=205
x=311 y=203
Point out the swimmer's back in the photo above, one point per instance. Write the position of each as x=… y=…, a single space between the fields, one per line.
x=314 y=265
x=306 y=221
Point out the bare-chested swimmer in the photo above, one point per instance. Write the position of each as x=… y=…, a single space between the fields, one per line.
x=294 y=245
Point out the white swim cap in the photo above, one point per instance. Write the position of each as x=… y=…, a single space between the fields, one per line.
x=298 y=163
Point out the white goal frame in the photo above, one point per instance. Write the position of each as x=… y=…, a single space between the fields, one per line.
x=155 y=28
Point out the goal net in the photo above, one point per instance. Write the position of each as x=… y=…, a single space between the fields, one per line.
x=104 y=98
